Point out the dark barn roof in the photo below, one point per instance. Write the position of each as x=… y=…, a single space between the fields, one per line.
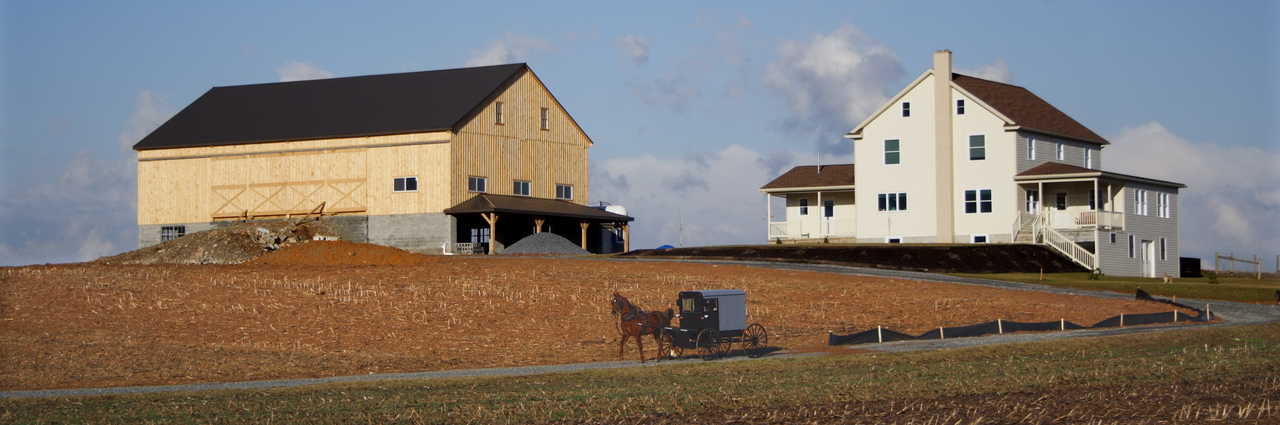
x=372 y=105
x=808 y=176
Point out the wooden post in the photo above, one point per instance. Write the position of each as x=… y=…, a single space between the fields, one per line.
x=1122 y=320
x=492 y=218
x=538 y=222
x=1000 y=326
x=626 y=237
x=584 y=225
x=941 y=334
x=1257 y=266
x=1062 y=324
x=879 y=335
x=1175 y=316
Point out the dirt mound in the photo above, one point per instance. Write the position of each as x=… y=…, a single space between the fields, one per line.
x=342 y=253
x=228 y=245
x=994 y=258
x=544 y=244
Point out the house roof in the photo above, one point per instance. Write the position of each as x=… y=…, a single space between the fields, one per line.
x=489 y=203
x=1054 y=170
x=1025 y=108
x=808 y=176
x=337 y=107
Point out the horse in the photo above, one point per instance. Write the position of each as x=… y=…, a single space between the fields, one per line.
x=638 y=323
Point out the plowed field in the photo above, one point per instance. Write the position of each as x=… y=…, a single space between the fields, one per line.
x=335 y=308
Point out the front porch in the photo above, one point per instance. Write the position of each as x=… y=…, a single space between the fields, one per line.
x=487 y=223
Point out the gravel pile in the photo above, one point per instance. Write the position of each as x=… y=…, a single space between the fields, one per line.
x=228 y=245
x=545 y=244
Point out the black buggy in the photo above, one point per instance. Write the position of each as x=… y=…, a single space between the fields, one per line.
x=711 y=321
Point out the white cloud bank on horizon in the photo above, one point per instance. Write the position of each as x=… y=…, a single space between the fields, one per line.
x=511 y=48
x=301 y=71
x=1232 y=198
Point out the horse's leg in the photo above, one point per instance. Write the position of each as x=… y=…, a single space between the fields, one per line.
x=640 y=343
x=622 y=343
x=657 y=336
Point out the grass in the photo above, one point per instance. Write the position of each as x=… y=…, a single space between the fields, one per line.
x=1155 y=358
x=1227 y=288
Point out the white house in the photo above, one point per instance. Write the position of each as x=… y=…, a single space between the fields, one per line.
x=977 y=161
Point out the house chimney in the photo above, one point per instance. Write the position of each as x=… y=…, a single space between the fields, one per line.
x=945 y=190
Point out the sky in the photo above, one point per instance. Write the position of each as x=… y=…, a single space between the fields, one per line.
x=692 y=107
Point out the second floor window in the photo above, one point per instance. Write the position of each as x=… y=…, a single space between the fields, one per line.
x=893 y=202
x=1140 y=202
x=405 y=184
x=546 y=125
x=520 y=188
x=1162 y=205
x=891 y=152
x=476 y=184
x=564 y=191
x=977 y=147
x=1031 y=148
x=497 y=113
x=1062 y=153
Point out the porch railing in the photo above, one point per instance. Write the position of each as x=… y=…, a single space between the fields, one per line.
x=1084 y=219
x=812 y=229
x=1070 y=248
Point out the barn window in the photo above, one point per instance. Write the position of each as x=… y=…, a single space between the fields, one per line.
x=546 y=125
x=497 y=113
x=564 y=191
x=520 y=188
x=475 y=184
x=405 y=184
x=168 y=233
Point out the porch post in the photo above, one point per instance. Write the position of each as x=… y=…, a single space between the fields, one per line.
x=626 y=237
x=821 y=216
x=538 y=222
x=1039 y=197
x=584 y=225
x=768 y=216
x=492 y=218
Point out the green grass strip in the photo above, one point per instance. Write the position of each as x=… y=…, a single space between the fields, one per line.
x=1227 y=288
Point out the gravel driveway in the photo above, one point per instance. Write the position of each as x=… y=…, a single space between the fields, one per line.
x=1232 y=313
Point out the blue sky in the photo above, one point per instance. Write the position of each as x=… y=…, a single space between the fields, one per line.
x=692 y=108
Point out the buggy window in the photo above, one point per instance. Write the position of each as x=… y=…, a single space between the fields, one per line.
x=687 y=305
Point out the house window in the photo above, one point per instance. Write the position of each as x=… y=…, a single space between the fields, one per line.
x=1088 y=158
x=520 y=188
x=906 y=109
x=893 y=239
x=892 y=154
x=564 y=191
x=828 y=208
x=546 y=125
x=979 y=238
x=475 y=184
x=1162 y=205
x=497 y=113
x=1140 y=202
x=1163 y=248
x=1130 y=246
x=168 y=233
x=1113 y=237
x=893 y=202
x=1031 y=148
x=1093 y=199
x=959 y=106
x=977 y=201
x=405 y=184
x=804 y=206
x=977 y=147
x=1062 y=154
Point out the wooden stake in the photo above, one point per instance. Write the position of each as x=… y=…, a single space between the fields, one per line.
x=1042 y=274
x=1000 y=326
x=1122 y=320
x=1062 y=324
x=941 y=335
x=879 y=335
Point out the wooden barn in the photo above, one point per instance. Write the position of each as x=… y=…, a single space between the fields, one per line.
x=448 y=160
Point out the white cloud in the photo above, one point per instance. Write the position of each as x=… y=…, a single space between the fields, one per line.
x=832 y=83
x=511 y=48
x=301 y=71
x=150 y=111
x=714 y=194
x=1230 y=201
x=635 y=47
x=997 y=71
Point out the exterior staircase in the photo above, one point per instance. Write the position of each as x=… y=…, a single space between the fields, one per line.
x=1026 y=232
x=1031 y=229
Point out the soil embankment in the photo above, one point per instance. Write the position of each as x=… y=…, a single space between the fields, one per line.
x=995 y=258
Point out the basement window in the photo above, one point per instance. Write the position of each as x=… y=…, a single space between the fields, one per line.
x=906 y=109
x=405 y=184
x=564 y=191
x=893 y=239
x=980 y=238
x=476 y=184
x=168 y=233
x=520 y=188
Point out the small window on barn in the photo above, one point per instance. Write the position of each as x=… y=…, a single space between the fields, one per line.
x=906 y=109
x=405 y=184
x=497 y=113
x=564 y=191
x=520 y=188
x=546 y=125
x=168 y=233
x=476 y=184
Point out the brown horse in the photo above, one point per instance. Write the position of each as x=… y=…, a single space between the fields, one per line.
x=638 y=323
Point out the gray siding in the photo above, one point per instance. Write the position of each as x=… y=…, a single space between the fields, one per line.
x=1114 y=259
x=1047 y=151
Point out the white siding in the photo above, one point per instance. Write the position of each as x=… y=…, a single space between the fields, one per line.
x=994 y=173
x=913 y=176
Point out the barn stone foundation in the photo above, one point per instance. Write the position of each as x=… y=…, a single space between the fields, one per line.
x=424 y=233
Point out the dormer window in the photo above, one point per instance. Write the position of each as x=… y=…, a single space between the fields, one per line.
x=960 y=107
x=906 y=109
x=497 y=113
x=545 y=124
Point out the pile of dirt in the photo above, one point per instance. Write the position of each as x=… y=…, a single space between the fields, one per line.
x=546 y=243
x=342 y=253
x=234 y=244
x=993 y=258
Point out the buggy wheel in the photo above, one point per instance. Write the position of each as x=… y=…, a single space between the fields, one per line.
x=755 y=340
x=709 y=344
x=669 y=343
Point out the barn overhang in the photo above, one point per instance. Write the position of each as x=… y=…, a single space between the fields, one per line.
x=502 y=212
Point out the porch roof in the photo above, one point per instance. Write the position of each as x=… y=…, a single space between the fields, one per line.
x=1058 y=171
x=489 y=203
x=813 y=177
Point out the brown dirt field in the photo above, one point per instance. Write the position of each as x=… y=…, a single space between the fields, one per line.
x=340 y=309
